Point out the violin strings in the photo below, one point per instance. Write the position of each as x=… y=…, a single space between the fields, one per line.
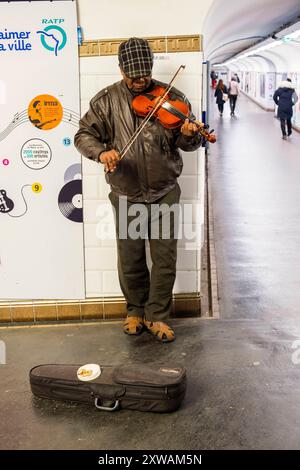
x=142 y=125
x=148 y=117
x=176 y=112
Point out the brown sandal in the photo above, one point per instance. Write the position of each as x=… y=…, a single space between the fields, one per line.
x=160 y=330
x=133 y=325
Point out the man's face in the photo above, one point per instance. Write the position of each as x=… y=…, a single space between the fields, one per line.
x=137 y=85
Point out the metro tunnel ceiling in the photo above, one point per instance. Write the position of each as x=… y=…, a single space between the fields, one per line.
x=231 y=27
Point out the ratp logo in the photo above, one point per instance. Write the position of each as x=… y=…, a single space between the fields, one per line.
x=53 y=37
x=2 y=353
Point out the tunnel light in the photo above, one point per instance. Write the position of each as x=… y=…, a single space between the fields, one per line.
x=259 y=49
x=284 y=40
x=290 y=37
x=269 y=46
x=244 y=56
x=263 y=48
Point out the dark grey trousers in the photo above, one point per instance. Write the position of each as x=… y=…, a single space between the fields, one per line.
x=283 y=123
x=147 y=296
x=232 y=100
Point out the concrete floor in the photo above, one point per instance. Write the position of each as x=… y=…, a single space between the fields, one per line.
x=256 y=197
x=243 y=387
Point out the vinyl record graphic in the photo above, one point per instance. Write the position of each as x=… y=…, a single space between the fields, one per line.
x=73 y=172
x=70 y=201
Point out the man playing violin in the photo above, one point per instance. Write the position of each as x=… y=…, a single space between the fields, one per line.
x=146 y=177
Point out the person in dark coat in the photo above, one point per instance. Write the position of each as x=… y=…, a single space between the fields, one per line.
x=285 y=97
x=237 y=78
x=221 y=90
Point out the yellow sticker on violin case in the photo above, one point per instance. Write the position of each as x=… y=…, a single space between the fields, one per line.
x=88 y=372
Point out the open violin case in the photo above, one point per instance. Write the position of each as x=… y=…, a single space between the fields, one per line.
x=132 y=387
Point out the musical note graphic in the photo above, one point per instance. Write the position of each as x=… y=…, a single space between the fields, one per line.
x=69 y=117
x=16 y=117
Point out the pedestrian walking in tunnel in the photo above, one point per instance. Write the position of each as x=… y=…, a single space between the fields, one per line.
x=213 y=76
x=233 y=93
x=237 y=77
x=285 y=97
x=221 y=95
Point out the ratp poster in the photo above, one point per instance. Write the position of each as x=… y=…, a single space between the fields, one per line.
x=41 y=220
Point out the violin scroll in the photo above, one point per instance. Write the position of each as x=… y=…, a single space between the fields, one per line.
x=203 y=130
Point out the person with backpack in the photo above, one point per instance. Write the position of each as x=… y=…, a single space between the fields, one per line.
x=285 y=97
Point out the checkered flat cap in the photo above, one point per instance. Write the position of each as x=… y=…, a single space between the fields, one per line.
x=136 y=58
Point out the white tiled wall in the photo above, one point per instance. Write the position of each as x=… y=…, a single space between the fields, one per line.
x=100 y=249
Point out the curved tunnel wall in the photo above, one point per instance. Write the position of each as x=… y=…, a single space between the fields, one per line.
x=230 y=32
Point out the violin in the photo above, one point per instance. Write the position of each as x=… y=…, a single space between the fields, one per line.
x=170 y=113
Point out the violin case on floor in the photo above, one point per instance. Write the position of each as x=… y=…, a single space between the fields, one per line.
x=131 y=387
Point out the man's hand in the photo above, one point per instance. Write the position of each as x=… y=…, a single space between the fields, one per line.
x=189 y=128
x=109 y=159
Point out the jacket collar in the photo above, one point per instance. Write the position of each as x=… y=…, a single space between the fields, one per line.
x=286 y=84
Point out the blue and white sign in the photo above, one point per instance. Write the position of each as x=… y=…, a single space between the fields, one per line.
x=41 y=219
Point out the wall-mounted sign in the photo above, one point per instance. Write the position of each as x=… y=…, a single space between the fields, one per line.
x=41 y=220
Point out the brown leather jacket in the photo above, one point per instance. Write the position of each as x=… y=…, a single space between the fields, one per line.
x=151 y=166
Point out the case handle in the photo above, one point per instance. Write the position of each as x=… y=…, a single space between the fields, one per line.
x=106 y=408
